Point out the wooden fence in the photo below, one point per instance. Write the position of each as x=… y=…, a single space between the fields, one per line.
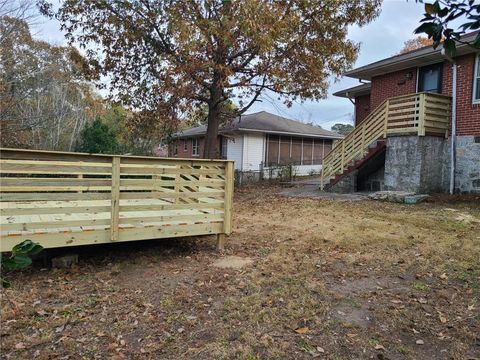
x=68 y=199
x=418 y=113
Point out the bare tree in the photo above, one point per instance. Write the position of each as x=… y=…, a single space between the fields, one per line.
x=24 y=10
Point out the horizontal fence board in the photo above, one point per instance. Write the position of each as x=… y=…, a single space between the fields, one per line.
x=173 y=195
x=45 y=196
x=54 y=210
x=48 y=182
x=23 y=168
x=51 y=240
x=197 y=206
x=65 y=199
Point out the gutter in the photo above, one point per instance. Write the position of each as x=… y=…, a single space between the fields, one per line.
x=292 y=134
x=454 y=121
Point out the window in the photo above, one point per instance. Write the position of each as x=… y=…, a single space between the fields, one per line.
x=223 y=150
x=430 y=78
x=195 y=151
x=476 y=81
x=185 y=145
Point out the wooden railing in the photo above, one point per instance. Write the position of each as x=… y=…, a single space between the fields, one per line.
x=419 y=113
x=65 y=199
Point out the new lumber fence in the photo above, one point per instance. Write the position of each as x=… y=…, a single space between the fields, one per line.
x=61 y=199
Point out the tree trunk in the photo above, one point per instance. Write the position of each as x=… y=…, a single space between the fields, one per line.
x=211 y=149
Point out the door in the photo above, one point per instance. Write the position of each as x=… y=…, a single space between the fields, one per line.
x=430 y=78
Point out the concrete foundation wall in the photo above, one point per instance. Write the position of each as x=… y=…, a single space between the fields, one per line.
x=417 y=164
x=347 y=184
x=467 y=169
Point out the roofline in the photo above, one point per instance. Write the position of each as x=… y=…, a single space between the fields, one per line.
x=333 y=136
x=359 y=90
x=358 y=73
x=292 y=133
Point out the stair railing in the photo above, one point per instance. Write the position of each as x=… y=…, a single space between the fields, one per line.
x=418 y=113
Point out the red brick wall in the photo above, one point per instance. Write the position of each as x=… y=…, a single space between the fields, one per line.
x=181 y=153
x=468 y=114
x=396 y=84
x=362 y=108
x=393 y=84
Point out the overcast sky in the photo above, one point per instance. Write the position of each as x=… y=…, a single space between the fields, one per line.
x=381 y=38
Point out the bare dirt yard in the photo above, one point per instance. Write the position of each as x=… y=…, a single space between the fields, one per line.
x=310 y=278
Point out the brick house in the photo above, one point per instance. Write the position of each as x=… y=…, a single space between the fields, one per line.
x=261 y=141
x=417 y=125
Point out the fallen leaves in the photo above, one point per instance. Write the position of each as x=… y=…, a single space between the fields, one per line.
x=301 y=330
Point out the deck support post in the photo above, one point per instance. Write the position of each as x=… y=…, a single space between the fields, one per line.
x=221 y=242
x=228 y=209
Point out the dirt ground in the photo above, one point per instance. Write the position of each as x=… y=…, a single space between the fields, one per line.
x=328 y=279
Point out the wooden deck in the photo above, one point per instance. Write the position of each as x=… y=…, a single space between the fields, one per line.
x=413 y=114
x=68 y=199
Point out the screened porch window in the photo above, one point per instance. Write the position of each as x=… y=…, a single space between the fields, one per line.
x=291 y=150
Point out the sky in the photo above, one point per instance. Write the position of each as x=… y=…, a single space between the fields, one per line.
x=383 y=37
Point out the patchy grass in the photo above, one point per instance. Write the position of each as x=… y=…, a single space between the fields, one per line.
x=336 y=280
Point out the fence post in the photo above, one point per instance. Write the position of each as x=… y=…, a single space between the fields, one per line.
x=364 y=146
x=228 y=204
x=343 y=155
x=387 y=105
x=115 y=200
x=421 y=115
x=321 y=177
x=80 y=176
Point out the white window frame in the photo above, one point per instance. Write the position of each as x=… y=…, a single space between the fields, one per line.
x=195 y=149
x=476 y=76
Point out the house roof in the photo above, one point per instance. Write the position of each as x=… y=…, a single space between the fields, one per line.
x=359 y=90
x=265 y=122
x=419 y=57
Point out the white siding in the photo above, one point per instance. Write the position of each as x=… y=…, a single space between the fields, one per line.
x=253 y=151
x=234 y=150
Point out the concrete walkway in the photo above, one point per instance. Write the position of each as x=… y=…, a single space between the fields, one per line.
x=307 y=190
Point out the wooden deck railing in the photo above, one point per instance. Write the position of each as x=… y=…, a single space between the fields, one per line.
x=419 y=113
x=66 y=199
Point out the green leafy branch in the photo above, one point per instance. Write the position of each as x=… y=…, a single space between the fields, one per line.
x=19 y=258
x=440 y=13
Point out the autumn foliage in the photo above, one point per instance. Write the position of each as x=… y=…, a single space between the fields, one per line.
x=178 y=55
x=416 y=43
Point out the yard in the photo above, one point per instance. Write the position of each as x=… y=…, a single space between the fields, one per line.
x=328 y=279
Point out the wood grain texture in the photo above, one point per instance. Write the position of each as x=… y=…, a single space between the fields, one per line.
x=65 y=199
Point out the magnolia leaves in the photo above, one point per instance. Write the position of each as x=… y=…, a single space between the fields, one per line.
x=20 y=258
x=437 y=18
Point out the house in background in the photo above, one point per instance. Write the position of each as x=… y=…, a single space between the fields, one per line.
x=417 y=125
x=262 y=141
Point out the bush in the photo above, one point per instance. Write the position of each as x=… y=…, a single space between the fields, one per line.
x=98 y=138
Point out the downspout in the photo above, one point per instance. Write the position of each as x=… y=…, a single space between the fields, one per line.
x=454 y=122
x=354 y=108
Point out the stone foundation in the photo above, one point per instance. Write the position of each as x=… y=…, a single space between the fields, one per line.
x=467 y=169
x=418 y=164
